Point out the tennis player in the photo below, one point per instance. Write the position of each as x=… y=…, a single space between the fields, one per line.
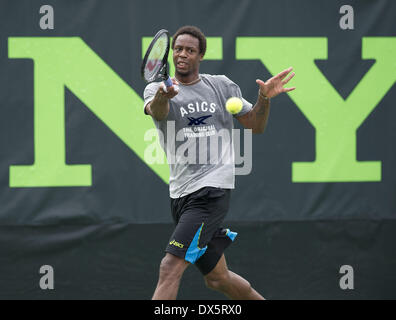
x=194 y=108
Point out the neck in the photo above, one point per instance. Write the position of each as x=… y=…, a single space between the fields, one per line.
x=187 y=80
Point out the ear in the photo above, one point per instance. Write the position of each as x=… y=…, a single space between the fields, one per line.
x=201 y=56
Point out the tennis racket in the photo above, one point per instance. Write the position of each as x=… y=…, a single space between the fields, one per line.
x=155 y=61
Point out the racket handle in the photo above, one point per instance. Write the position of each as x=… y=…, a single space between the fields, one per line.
x=168 y=82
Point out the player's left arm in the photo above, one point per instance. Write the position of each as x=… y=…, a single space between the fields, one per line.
x=257 y=118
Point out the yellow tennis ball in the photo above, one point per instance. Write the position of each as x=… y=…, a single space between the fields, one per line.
x=234 y=105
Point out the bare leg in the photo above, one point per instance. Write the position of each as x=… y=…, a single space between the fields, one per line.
x=171 y=271
x=229 y=283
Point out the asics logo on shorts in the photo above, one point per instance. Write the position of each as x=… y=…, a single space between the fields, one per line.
x=177 y=244
x=197 y=121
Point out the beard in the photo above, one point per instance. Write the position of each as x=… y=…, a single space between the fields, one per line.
x=183 y=72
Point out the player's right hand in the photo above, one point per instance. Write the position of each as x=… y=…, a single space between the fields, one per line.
x=169 y=92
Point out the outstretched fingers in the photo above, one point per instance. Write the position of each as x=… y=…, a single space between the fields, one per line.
x=283 y=74
x=288 y=89
x=288 y=78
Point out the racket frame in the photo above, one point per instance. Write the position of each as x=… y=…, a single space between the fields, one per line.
x=162 y=74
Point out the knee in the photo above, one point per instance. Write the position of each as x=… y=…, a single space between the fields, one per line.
x=218 y=282
x=171 y=269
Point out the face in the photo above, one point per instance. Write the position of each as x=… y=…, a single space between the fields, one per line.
x=186 y=56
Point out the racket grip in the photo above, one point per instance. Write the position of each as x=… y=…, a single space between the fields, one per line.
x=168 y=82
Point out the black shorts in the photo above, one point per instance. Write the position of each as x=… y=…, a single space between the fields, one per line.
x=198 y=237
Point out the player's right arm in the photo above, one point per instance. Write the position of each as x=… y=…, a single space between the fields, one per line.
x=158 y=108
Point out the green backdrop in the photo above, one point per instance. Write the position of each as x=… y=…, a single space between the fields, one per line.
x=77 y=194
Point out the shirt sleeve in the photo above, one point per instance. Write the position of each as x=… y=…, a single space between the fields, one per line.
x=235 y=91
x=149 y=93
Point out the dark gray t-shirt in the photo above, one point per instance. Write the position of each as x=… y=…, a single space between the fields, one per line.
x=197 y=134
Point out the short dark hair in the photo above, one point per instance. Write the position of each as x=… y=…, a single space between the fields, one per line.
x=195 y=32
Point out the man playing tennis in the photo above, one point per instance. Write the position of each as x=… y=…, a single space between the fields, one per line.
x=200 y=191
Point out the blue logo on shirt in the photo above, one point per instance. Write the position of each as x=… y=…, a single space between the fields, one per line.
x=197 y=121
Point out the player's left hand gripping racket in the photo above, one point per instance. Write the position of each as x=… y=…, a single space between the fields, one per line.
x=155 y=61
